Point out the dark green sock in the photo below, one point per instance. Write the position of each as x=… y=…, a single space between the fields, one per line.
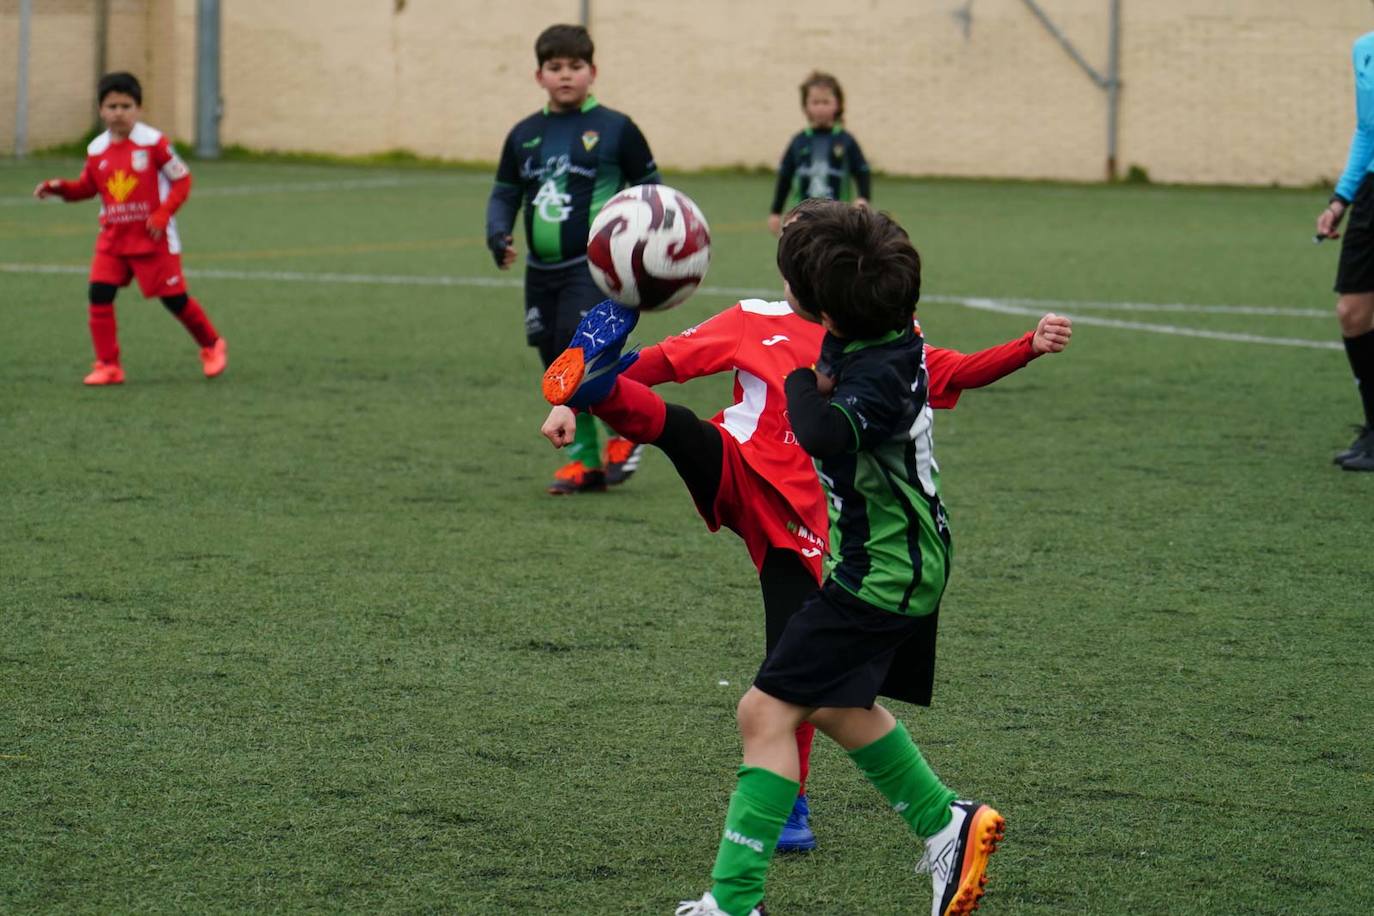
x=758 y=809
x=895 y=766
x=586 y=444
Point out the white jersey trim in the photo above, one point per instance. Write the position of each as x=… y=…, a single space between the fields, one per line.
x=762 y=307
x=142 y=135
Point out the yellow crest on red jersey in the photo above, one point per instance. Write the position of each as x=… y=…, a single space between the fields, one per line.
x=589 y=139
x=120 y=185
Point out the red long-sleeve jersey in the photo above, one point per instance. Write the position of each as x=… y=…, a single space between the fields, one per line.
x=761 y=342
x=136 y=178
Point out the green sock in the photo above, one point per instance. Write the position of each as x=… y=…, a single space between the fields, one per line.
x=586 y=444
x=758 y=809
x=895 y=766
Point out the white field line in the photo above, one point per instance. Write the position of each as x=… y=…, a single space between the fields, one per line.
x=1007 y=306
x=293 y=187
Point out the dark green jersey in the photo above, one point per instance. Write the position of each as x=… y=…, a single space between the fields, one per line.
x=563 y=166
x=889 y=536
x=825 y=162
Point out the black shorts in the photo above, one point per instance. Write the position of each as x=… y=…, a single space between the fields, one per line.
x=1356 y=271
x=838 y=651
x=556 y=298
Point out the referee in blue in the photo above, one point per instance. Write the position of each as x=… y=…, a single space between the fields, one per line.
x=1355 y=275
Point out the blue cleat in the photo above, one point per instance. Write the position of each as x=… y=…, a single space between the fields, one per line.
x=796 y=834
x=584 y=373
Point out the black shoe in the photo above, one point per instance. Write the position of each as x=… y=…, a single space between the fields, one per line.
x=1364 y=442
x=1360 y=461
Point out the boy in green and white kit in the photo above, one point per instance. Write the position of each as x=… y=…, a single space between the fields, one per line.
x=870 y=629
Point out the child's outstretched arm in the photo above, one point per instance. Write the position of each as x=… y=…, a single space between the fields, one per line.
x=84 y=187
x=952 y=372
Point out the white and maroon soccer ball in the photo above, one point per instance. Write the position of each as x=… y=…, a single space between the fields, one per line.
x=649 y=247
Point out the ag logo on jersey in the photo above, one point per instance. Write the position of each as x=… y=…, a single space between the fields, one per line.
x=590 y=139
x=552 y=203
x=139 y=160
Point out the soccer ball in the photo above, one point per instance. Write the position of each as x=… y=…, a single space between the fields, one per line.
x=649 y=247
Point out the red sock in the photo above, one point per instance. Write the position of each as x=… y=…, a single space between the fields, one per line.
x=633 y=410
x=806 y=733
x=104 y=335
x=195 y=320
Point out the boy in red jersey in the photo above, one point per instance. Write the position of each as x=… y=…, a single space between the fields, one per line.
x=141 y=182
x=744 y=467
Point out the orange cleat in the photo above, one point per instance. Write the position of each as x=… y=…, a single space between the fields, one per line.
x=214 y=358
x=576 y=477
x=105 y=374
x=622 y=460
x=957 y=857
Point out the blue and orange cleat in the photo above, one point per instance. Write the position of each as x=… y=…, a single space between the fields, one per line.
x=584 y=373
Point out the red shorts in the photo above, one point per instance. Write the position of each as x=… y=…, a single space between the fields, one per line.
x=159 y=274
x=750 y=506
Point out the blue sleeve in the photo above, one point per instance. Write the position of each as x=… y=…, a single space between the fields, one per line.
x=1362 y=142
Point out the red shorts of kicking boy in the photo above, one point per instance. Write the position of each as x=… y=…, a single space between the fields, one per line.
x=159 y=274
x=750 y=506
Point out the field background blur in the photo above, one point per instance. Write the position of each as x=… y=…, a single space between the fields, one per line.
x=311 y=636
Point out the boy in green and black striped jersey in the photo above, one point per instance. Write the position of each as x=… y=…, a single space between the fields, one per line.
x=870 y=630
x=562 y=164
x=824 y=159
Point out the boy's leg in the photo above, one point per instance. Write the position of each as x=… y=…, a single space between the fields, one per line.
x=214 y=351
x=100 y=319
x=553 y=306
x=785 y=581
x=959 y=835
x=762 y=799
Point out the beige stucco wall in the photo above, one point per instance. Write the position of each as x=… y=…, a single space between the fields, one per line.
x=1235 y=91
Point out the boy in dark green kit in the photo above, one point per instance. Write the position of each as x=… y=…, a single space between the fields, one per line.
x=869 y=631
x=562 y=164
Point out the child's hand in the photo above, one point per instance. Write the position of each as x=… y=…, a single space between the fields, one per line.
x=861 y=202
x=775 y=224
x=157 y=224
x=825 y=384
x=1052 y=334
x=47 y=188
x=502 y=251
x=560 y=427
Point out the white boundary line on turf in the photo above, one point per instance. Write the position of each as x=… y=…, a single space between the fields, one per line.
x=1008 y=306
x=289 y=187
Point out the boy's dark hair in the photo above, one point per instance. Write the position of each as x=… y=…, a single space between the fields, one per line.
x=855 y=264
x=564 y=41
x=119 y=81
x=822 y=80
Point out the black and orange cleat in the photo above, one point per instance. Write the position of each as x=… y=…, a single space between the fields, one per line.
x=576 y=477
x=957 y=857
x=622 y=459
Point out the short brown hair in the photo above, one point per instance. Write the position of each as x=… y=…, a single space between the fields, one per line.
x=563 y=41
x=821 y=79
x=854 y=264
